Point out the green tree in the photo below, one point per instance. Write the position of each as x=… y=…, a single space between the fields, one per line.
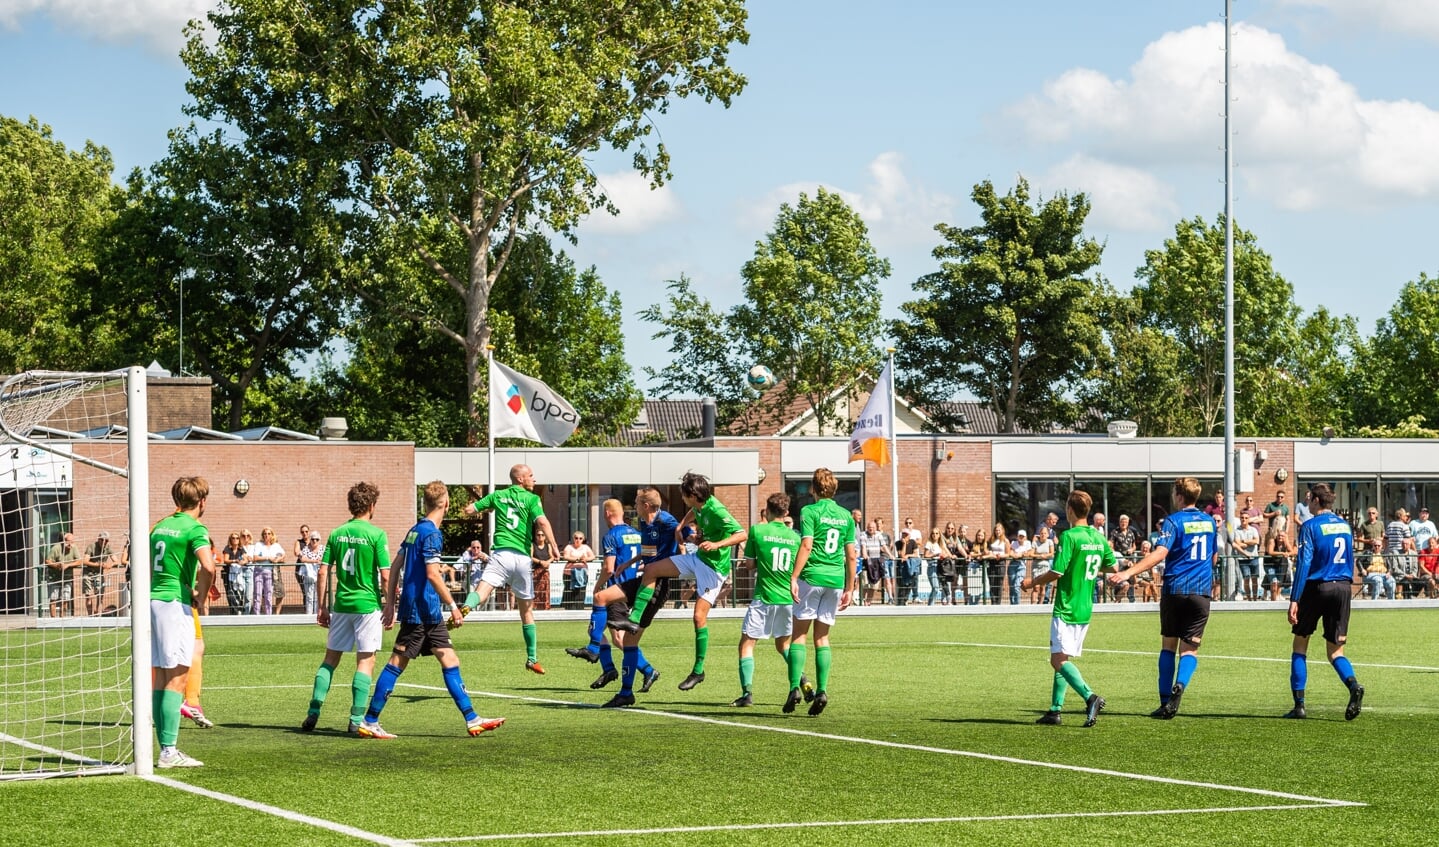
x=1011 y=316
x=811 y=302
x=549 y=320
x=1289 y=369
x=55 y=206
x=250 y=238
x=457 y=126
x=1399 y=370
x=705 y=360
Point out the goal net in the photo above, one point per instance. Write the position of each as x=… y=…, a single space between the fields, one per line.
x=68 y=686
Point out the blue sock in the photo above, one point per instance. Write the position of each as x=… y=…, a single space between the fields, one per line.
x=383 y=686
x=1343 y=668
x=1298 y=672
x=642 y=663
x=598 y=620
x=629 y=662
x=456 y=687
x=1187 y=663
x=1166 y=674
x=607 y=661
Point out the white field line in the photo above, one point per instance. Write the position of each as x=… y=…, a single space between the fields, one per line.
x=278 y=812
x=739 y=827
x=108 y=767
x=1202 y=655
x=896 y=745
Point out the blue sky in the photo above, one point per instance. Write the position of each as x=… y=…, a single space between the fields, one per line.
x=904 y=107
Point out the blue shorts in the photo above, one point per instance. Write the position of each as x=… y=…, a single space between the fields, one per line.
x=889 y=568
x=1248 y=568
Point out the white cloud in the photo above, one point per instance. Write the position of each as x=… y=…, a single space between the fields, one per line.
x=1304 y=138
x=1122 y=198
x=1419 y=18
x=159 y=23
x=641 y=207
x=897 y=210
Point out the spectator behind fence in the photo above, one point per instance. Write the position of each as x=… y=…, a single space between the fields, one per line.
x=1017 y=568
x=233 y=558
x=577 y=555
x=60 y=563
x=937 y=557
x=1399 y=554
x=911 y=545
x=1278 y=562
x=1125 y=541
x=1429 y=567
x=1277 y=512
x=543 y=553
x=1043 y=563
x=1150 y=581
x=1422 y=529
x=472 y=562
x=891 y=558
x=997 y=559
x=307 y=571
x=98 y=559
x=872 y=545
x=1246 y=555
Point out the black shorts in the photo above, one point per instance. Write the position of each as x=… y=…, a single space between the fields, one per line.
x=874 y=571
x=1329 y=601
x=662 y=595
x=422 y=639
x=1183 y=616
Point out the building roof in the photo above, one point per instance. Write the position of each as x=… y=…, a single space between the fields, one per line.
x=661 y=421
x=982 y=419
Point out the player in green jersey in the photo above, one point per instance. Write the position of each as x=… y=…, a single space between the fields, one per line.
x=1083 y=553
x=772 y=547
x=709 y=567
x=518 y=512
x=821 y=584
x=182 y=570
x=355 y=565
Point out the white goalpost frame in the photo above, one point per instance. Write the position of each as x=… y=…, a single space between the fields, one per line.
x=138 y=446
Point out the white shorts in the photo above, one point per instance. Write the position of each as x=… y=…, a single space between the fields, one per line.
x=506 y=568
x=763 y=620
x=816 y=603
x=172 y=634
x=357 y=631
x=708 y=582
x=1067 y=638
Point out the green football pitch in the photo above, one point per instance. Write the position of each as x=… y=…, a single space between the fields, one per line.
x=929 y=739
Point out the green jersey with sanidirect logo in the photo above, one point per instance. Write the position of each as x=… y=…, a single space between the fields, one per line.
x=516 y=510
x=773 y=547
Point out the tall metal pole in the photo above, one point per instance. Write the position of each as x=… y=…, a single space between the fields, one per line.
x=1231 y=459
x=893 y=461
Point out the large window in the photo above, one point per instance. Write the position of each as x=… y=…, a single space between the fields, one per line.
x=1024 y=503
x=850 y=494
x=1115 y=497
x=1351 y=496
x=1410 y=494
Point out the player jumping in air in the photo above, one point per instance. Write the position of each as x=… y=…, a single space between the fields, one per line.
x=1186 y=545
x=709 y=567
x=1323 y=586
x=422 y=623
x=354 y=565
x=518 y=513
x=1083 y=553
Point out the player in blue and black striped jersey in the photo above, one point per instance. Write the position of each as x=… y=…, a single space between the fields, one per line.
x=1323 y=583
x=1186 y=545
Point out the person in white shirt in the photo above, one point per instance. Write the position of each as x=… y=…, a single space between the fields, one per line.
x=267 y=552
x=1423 y=530
x=474 y=555
x=577 y=556
x=1246 y=555
x=1020 y=551
x=1043 y=552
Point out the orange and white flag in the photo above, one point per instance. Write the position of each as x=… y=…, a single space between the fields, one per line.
x=875 y=427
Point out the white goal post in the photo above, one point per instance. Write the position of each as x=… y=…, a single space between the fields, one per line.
x=75 y=690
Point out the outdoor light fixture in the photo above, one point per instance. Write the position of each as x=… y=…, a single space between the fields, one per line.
x=242 y=487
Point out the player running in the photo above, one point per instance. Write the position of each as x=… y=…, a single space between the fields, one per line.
x=518 y=512
x=821 y=584
x=1323 y=583
x=350 y=597
x=773 y=547
x=182 y=572
x=1083 y=553
x=1186 y=545
x=422 y=623
x=709 y=568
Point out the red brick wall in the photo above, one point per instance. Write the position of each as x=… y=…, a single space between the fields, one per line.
x=290 y=483
x=958 y=489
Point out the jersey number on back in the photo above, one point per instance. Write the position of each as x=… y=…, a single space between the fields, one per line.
x=347 y=562
x=831 y=540
x=781 y=559
x=159 y=556
x=1092 y=563
x=1198 y=547
x=512 y=518
x=1341 y=550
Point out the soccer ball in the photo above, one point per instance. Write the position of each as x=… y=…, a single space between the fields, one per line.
x=760 y=378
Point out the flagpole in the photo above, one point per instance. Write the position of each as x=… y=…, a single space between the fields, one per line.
x=893 y=459
x=490 y=428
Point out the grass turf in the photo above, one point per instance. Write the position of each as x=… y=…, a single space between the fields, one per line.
x=686 y=759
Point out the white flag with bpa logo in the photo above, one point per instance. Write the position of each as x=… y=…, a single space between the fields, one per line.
x=524 y=407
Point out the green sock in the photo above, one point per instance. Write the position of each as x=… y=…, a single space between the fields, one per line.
x=821 y=668
x=322 y=687
x=155 y=717
x=642 y=602
x=359 y=696
x=1075 y=680
x=746 y=673
x=170 y=716
x=796 y=664
x=1056 y=697
x=532 y=642
x=702 y=647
